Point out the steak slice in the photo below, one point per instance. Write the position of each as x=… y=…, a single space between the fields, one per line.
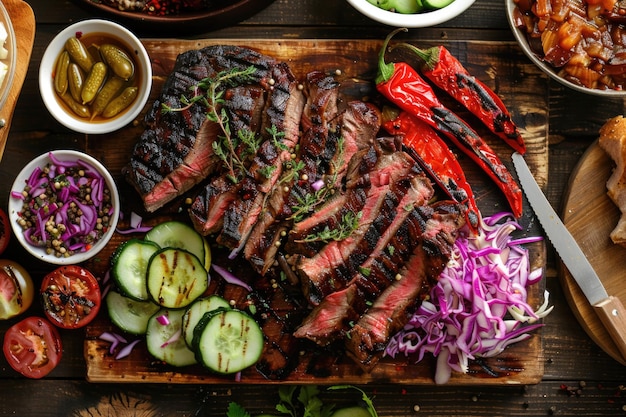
x=208 y=209
x=334 y=265
x=366 y=341
x=376 y=273
x=175 y=151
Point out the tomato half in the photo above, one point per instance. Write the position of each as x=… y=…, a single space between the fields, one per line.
x=33 y=347
x=16 y=289
x=71 y=296
x=5 y=230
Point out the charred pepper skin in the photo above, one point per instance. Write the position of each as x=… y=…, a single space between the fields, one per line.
x=446 y=72
x=436 y=158
x=402 y=85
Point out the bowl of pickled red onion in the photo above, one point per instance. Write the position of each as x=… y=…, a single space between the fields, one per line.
x=64 y=207
x=574 y=46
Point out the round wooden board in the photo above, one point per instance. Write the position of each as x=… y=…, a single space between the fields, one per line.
x=590 y=216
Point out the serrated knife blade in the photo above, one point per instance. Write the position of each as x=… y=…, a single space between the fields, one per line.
x=610 y=309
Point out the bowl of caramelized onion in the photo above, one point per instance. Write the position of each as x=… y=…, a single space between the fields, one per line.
x=581 y=44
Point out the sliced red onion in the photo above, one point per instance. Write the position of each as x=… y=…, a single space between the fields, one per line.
x=126 y=350
x=317 y=185
x=173 y=338
x=163 y=320
x=230 y=277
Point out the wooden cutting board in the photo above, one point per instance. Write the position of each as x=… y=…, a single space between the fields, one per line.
x=590 y=216
x=23 y=21
x=501 y=65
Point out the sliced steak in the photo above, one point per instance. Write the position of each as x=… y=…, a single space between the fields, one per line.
x=334 y=265
x=171 y=155
x=208 y=209
x=377 y=272
x=366 y=341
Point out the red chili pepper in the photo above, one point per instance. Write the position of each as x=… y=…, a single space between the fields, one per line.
x=405 y=88
x=446 y=72
x=436 y=158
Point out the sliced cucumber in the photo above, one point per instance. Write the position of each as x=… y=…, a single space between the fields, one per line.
x=228 y=341
x=165 y=341
x=128 y=267
x=196 y=311
x=175 y=234
x=129 y=315
x=436 y=4
x=175 y=278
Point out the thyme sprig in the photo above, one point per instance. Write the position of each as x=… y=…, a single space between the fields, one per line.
x=232 y=150
x=349 y=223
x=308 y=202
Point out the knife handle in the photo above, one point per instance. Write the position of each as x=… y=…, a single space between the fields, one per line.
x=613 y=316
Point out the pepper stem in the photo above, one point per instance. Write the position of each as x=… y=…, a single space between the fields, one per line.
x=385 y=70
x=430 y=56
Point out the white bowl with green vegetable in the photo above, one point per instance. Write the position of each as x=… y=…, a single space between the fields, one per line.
x=411 y=13
x=64 y=207
x=95 y=77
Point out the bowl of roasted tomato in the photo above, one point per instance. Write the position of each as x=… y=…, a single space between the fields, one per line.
x=64 y=207
x=411 y=13
x=580 y=45
x=95 y=77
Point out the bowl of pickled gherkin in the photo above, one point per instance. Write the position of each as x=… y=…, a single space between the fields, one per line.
x=95 y=77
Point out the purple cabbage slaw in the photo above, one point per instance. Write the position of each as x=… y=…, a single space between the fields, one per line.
x=479 y=305
x=77 y=236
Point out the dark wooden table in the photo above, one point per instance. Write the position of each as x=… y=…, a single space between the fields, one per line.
x=579 y=378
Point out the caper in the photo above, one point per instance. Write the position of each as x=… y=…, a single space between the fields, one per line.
x=79 y=54
x=106 y=94
x=118 y=61
x=60 y=73
x=79 y=109
x=120 y=102
x=94 y=81
x=76 y=79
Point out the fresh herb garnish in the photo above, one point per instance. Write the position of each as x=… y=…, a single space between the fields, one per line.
x=349 y=223
x=304 y=401
x=233 y=150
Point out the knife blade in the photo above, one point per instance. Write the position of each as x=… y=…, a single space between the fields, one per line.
x=609 y=309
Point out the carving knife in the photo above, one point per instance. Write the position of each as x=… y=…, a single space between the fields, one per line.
x=609 y=309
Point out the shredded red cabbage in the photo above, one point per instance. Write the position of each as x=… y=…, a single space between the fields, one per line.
x=479 y=305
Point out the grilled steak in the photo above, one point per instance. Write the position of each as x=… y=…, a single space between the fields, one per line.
x=175 y=152
x=347 y=215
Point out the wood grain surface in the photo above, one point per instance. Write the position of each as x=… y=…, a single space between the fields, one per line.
x=590 y=216
x=354 y=63
x=23 y=21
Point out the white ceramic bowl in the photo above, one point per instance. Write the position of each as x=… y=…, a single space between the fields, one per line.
x=48 y=64
x=11 y=54
x=15 y=206
x=417 y=20
x=545 y=67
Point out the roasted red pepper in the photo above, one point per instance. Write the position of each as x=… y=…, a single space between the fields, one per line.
x=447 y=73
x=404 y=87
x=436 y=158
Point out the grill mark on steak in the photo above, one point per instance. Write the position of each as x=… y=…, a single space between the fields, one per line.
x=208 y=208
x=333 y=266
x=366 y=341
x=171 y=155
x=382 y=265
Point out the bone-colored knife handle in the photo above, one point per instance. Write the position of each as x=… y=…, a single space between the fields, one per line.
x=613 y=316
